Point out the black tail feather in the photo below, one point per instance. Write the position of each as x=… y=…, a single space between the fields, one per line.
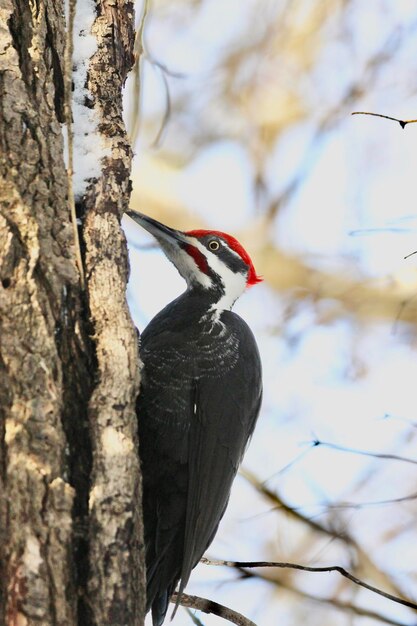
x=160 y=608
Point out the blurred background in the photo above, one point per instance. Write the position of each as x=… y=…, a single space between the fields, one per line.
x=240 y=115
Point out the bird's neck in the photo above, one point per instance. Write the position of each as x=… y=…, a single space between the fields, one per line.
x=222 y=293
x=193 y=310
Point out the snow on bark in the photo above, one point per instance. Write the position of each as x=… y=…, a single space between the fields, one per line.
x=89 y=145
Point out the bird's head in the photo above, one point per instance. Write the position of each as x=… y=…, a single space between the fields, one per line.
x=206 y=259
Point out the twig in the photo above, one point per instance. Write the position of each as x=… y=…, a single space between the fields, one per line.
x=361 y=505
x=289 y=465
x=383 y=229
x=164 y=68
x=293 y=511
x=138 y=51
x=208 y=606
x=167 y=112
x=375 y=455
x=194 y=618
x=402 y=306
x=357 y=610
x=308 y=568
x=69 y=46
x=363 y=556
x=402 y=123
x=333 y=602
x=405 y=420
x=333 y=116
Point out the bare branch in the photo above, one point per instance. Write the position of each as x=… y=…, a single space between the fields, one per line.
x=335 y=533
x=375 y=455
x=360 y=505
x=163 y=67
x=331 y=601
x=333 y=116
x=294 y=512
x=138 y=52
x=353 y=608
x=167 y=111
x=405 y=420
x=194 y=618
x=208 y=606
x=307 y=568
x=402 y=123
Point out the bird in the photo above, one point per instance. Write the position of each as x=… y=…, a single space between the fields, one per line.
x=199 y=400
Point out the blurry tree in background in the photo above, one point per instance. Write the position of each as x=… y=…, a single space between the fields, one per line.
x=244 y=125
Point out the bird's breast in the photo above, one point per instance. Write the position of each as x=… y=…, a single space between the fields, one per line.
x=174 y=364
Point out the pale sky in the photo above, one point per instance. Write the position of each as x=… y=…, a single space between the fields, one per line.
x=335 y=382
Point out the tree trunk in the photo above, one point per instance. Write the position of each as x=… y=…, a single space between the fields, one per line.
x=71 y=547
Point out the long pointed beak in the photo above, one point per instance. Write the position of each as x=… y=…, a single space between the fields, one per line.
x=158 y=230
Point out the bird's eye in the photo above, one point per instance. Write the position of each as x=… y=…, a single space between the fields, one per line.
x=214 y=245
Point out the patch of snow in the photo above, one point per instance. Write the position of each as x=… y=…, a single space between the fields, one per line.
x=89 y=146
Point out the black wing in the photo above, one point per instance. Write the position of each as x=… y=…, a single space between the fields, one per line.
x=191 y=452
x=224 y=415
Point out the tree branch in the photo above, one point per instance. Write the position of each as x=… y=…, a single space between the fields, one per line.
x=137 y=90
x=402 y=123
x=375 y=455
x=332 y=602
x=193 y=617
x=320 y=528
x=208 y=606
x=307 y=568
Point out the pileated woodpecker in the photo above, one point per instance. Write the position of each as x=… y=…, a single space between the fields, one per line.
x=200 y=396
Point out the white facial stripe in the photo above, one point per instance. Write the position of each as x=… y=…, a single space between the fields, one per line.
x=234 y=283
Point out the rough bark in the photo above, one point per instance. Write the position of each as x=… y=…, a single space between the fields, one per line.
x=116 y=544
x=68 y=359
x=38 y=307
